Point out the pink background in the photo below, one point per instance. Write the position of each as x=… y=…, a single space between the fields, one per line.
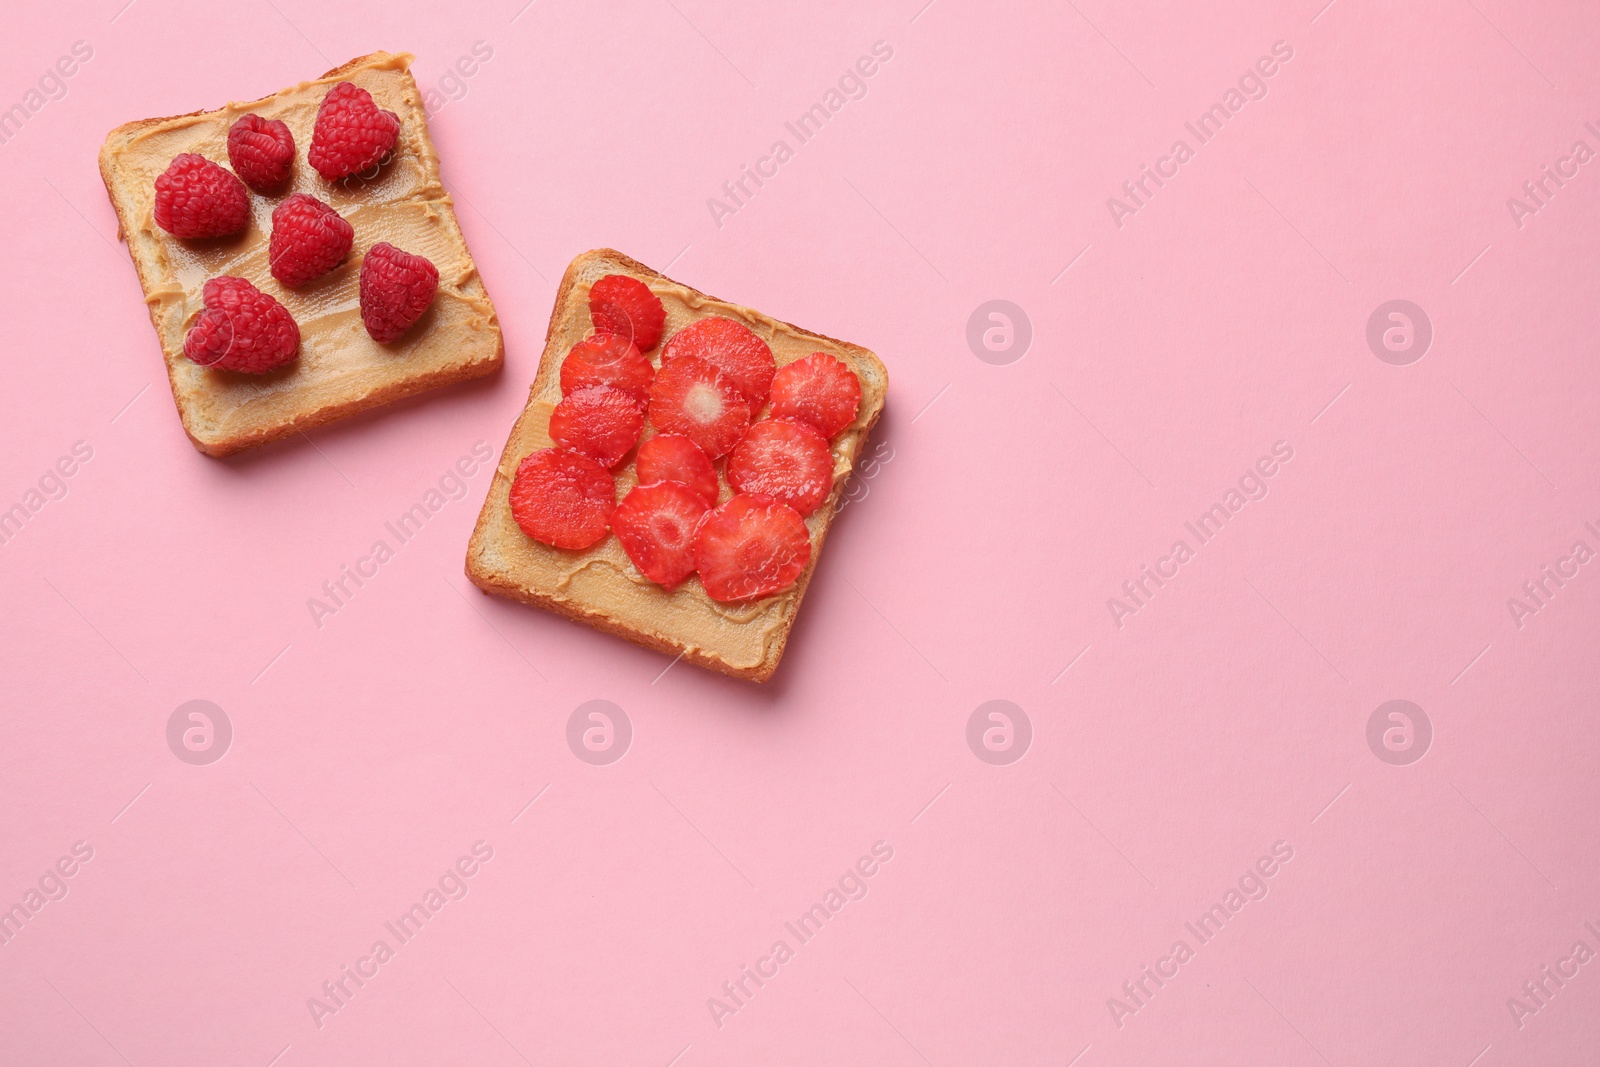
x=1229 y=713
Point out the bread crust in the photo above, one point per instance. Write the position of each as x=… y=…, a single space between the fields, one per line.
x=354 y=402
x=488 y=579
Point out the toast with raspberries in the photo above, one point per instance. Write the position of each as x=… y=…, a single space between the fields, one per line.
x=677 y=467
x=300 y=259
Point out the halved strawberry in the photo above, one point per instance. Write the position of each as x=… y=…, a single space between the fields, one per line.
x=692 y=397
x=751 y=546
x=626 y=306
x=607 y=359
x=657 y=525
x=819 y=389
x=785 y=459
x=562 y=499
x=599 y=422
x=672 y=457
x=731 y=348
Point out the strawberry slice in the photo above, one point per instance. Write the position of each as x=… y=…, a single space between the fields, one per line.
x=751 y=546
x=787 y=460
x=672 y=457
x=657 y=525
x=625 y=306
x=599 y=422
x=562 y=499
x=819 y=389
x=607 y=359
x=692 y=397
x=731 y=348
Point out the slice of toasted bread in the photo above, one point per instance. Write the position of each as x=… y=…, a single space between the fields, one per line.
x=600 y=586
x=341 y=370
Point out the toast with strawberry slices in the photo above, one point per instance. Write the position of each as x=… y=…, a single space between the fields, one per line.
x=728 y=600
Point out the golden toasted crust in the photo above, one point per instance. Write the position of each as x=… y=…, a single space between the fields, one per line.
x=486 y=564
x=217 y=423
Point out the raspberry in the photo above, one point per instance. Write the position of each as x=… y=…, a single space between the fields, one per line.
x=787 y=460
x=396 y=288
x=309 y=239
x=672 y=457
x=261 y=151
x=562 y=499
x=752 y=546
x=819 y=389
x=692 y=397
x=352 y=134
x=197 y=198
x=241 y=329
x=607 y=359
x=657 y=525
x=623 y=305
x=599 y=422
x=732 y=349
